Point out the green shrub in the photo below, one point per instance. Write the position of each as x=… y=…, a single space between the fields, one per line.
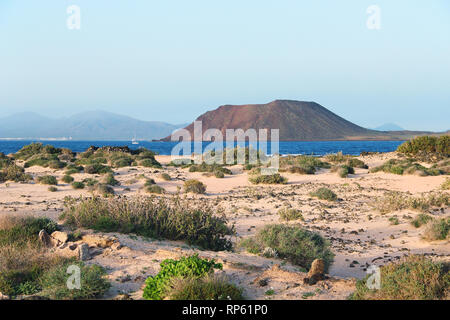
x=51 y=180
x=205 y=289
x=78 y=185
x=437 y=229
x=164 y=218
x=97 y=169
x=92 y=281
x=299 y=246
x=324 y=194
x=209 y=168
x=219 y=174
x=194 y=186
x=407 y=166
x=288 y=214
x=149 y=182
x=427 y=148
x=302 y=164
x=90 y=182
x=24 y=231
x=67 y=179
x=421 y=220
x=149 y=163
x=356 y=163
x=110 y=180
x=52 y=189
x=155 y=189
x=268 y=179
x=186 y=267
x=446 y=184
x=165 y=176
x=394 y=201
x=5 y=161
x=103 y=189
x=413 y=278
x=14 y=173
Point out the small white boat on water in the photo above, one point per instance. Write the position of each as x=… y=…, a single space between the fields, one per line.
x=134 y=141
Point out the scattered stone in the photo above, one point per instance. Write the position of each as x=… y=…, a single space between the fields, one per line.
x=60 y=236
x=94 y=240
x=83 y=252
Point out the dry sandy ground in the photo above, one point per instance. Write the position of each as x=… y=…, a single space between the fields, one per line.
x=359 y=234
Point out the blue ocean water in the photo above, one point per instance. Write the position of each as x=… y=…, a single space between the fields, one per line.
x=165 y=148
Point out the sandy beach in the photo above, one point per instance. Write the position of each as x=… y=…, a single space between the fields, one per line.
x=360 y=235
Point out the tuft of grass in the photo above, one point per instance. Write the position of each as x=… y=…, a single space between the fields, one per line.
x=446 y=184
x=206 y=288
x=288 y=214
x=298 y=245
x=421 y=220
x=268 y=179
x=194 y=186
x=52 y=189
x=51 y=180
x=437 y=229
x=395 y=201
x=164 y=218
x=324 y=194
x=97 y=168
x=413 y=278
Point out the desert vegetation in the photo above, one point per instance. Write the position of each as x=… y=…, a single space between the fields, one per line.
x=413 y=278
x=297 y=245
x=166 y=218
x=27 y=267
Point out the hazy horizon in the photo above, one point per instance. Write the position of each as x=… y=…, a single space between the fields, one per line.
x=171 y=62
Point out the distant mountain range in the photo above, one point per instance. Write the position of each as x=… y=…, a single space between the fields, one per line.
x=296 y=120
x=93 y=125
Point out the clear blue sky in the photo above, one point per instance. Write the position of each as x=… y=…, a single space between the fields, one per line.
x=173 y=60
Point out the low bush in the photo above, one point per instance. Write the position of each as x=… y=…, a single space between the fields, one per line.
x=78 y=185
x=394 y=201
x=67 y=179
x=298 y=245
x=52 y=189
x=103 y=189
x=51 y=180
x=413 y=278
x=324 y=194
x=302 y=164
x=164 y=218
x=446 y=184
x=209 y=168
x=110 y=180
x=437 y=229
x=343 y=170
x=427 y=148
x=421 y=220
x=92 y=282
x=194 y=186
x=407 y=166
x=205 y=289
x=14 y=173
x=155 y=189
x=288 y=214
x=219 y=174
x=165 y=176
x=193 y=267
x=97 y=169
x=268 y=179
